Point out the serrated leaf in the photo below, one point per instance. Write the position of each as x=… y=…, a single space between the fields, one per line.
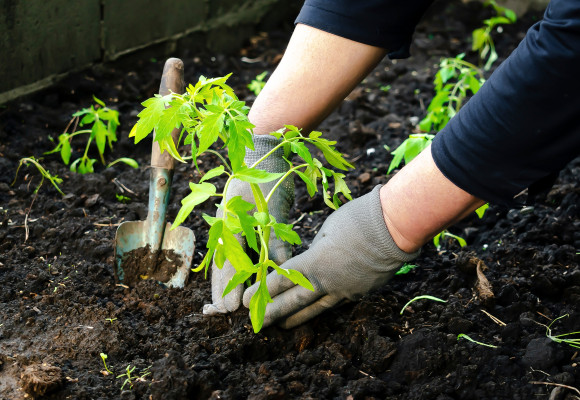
x=255 y=175
x=340 y=185
x=284 y=232
x=148 y=117
x=302 y=151
x=310 y=186
x=332 y=156
x=295 y=276
x=212 y=173
x=199 y=193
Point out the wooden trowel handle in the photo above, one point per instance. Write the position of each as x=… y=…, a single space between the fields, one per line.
x=171 y=81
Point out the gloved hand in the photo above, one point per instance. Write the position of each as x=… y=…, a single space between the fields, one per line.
x=278 y=206
x=352 y=254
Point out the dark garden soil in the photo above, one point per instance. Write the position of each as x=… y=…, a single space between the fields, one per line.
x=60 y=307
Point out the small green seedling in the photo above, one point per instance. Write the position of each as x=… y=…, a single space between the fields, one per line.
x=405 y=269
x=385 y=88
x=482 y=39
x=574 y=342
x=464 y=336
x=103 y=123
x=111 y=320
x=455 y=81
x=258 y=83
x=426 y=297
x=54 y=179
x=130 y=378
x=104 y=358
x=446 y=234
x=209 y=112
x=122 y=199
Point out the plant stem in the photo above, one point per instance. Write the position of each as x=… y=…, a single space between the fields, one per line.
x=286 y=175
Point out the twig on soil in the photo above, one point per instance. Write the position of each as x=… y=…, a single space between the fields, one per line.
x=555 y=384
x=122 y=187
x=107 y=225
x=494 y=319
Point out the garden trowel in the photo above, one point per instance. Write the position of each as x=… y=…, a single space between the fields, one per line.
x=149 y=249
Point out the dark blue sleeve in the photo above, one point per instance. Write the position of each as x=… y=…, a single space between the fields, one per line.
x=382 y=23
x=524 y=123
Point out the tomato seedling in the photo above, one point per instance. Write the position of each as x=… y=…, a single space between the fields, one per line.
x=210 y=112
x=482 y=40
x=103 y=131
x=54 y=179
x=258 y=83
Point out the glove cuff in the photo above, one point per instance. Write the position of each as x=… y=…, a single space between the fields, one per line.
x=263 y=144
x=385 y=243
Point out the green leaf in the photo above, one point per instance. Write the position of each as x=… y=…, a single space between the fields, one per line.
x=286 y=233
x=340 y=185
x=258 y=304
x=148 y=117
x=302 y=151
x=254 y=175
x=240 y=208
x=333 y=157
x=88 y=118
x=129 y=161
x=212 y=173
x=212 y=243
x=65 y=150
x=263 y=218
x=295 y=276
x=479 y=37
x=199 y=193
x=238 y=278
x=99 y=132
x=481 y=210
x=310 y=186
x=511 y=15
x=240 y=137
x=209 y=129
x=170 y=119
x=99 y=102
x=234 y=252
x=405 y=269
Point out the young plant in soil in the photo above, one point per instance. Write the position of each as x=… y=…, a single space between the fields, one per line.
x=258 y=83
x=423 y=297
x=103 y=123
x=210 y=112
x=482 y=39
x=54 y=179
x=464 y=336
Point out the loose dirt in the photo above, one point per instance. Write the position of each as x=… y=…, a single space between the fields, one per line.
x=60 y=305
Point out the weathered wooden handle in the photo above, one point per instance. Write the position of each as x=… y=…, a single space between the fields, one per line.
x=171 y=81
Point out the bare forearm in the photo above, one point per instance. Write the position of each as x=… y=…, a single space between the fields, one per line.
x=317 y=72
x=419 y=202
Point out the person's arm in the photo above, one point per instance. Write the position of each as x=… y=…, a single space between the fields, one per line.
x=419 y=202
x=318 y=70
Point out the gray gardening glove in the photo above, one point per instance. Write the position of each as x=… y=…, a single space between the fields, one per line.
x=352 y=254
x=279 y=206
